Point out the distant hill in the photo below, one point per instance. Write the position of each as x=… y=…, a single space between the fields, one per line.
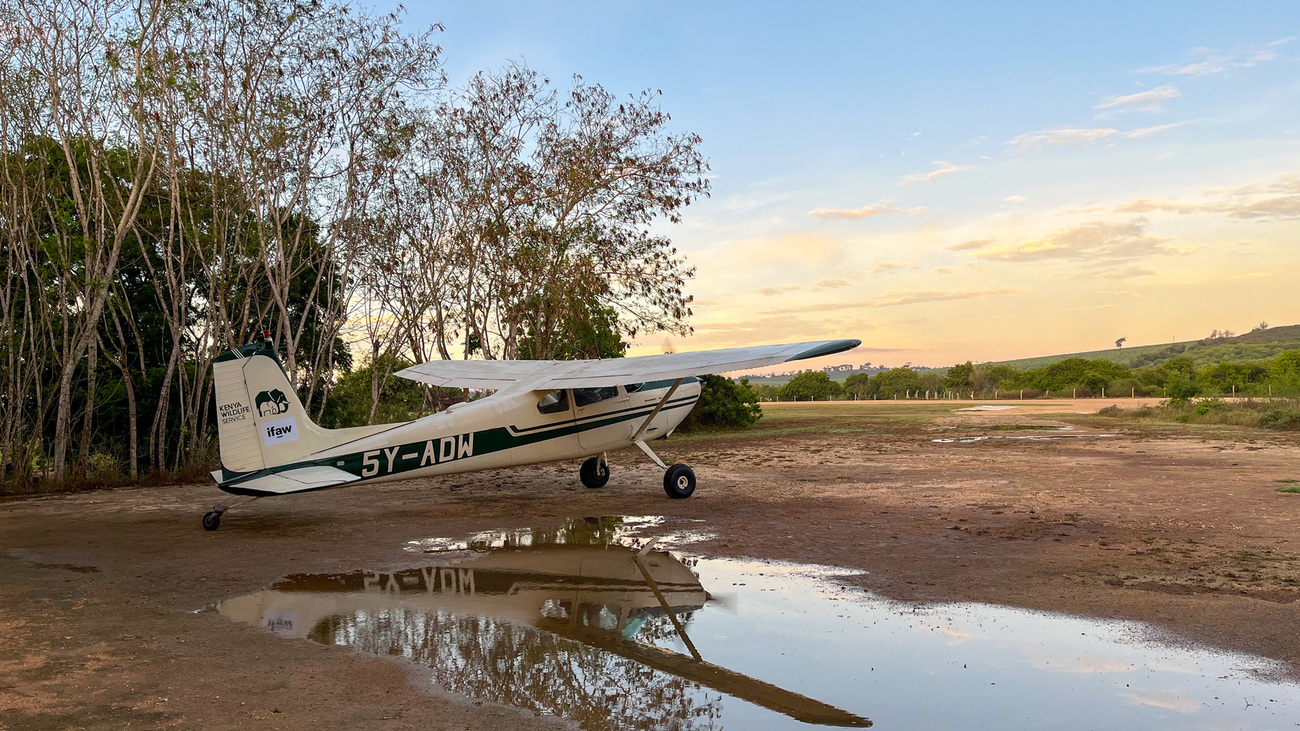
x=1257 y=345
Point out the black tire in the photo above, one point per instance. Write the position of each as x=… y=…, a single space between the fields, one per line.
x=594 y=473
x=679 y=481
x=211 y=520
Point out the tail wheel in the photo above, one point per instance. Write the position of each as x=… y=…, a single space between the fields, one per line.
x=211 y=520
x=679 y=481
x=594 y=472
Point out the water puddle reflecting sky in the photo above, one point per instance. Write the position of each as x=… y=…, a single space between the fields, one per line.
x=576 y=622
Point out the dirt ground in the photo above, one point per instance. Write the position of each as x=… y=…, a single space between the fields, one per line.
x=102 y=594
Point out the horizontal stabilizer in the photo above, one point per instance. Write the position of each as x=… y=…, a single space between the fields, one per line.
x=296 y=480
x=547 y=375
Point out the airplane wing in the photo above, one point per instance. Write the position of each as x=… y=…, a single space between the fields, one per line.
x=547 y=375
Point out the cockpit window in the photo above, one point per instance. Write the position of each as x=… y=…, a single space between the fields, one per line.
x=633 y=387
x=589 y=396
x=554 y=402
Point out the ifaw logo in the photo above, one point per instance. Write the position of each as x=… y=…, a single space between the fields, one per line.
x=271 y=403
x=280 y=430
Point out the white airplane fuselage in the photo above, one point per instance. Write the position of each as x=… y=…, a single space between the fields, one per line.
x=502 y=430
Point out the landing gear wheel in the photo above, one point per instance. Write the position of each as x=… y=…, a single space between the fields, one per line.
x=594 y=472
x=211 y=520
x=679 y=481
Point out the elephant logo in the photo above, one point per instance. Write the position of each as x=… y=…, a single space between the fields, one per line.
x=271 y=403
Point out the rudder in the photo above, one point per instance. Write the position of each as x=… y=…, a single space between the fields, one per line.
x=260 y=421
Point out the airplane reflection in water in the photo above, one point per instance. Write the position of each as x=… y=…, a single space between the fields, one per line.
x=561 y=622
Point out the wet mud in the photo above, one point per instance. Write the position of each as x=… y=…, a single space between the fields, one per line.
x=107 y=598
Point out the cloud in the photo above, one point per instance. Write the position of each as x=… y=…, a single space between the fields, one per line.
x=1015 y=199
x=1128 y=272
x=896 y=299
x=1033 y=141
x=1148 y=205
x=1207 y=61
x=942 y=168
x=1279 y=200
x=883 y=208
x=769 y=291
x=1164 y=699
x=1148 y=100
x=880 y=267
x=1095 y=241
x=1148 y=131
x=829 y=283
x=970 y=245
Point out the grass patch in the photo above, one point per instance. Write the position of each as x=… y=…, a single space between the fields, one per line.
x=1272 y=414
x=1024 y=427
x=1290 y=488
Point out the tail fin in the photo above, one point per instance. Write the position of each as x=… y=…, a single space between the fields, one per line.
x=260 y=421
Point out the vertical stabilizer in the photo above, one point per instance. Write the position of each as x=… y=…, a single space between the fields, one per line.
x=260 y=421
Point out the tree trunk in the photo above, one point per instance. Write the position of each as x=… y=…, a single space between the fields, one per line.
x=87 y=427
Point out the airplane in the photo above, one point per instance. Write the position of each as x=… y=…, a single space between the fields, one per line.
x=449 y=617
x=540 y=411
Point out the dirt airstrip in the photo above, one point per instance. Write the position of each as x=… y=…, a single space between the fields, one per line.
x=102 y=594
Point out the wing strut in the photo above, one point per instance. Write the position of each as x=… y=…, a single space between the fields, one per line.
x=658 y=407
x=677 y=623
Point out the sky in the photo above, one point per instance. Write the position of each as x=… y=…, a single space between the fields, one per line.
x=954 y=181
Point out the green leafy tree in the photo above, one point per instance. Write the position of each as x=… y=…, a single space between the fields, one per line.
x=959 y=376
x=586 y=329
x=350 y=399
x=991 y=377
x=810 y=386
x=1181 y=388
x=860 y=386
x=898 y=382
x=1285 y=368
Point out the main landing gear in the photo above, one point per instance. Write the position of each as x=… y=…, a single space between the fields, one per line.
x=679 y=480
x=595 y=472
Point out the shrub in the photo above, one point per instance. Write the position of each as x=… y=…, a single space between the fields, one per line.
x=1283 y=419
x=724 y=404
x=101 y=466
x=1209 y=405
x=1111 y=410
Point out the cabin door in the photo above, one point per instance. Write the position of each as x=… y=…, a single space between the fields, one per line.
x=602 y=417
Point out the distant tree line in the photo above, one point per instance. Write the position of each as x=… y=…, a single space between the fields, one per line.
x=1176 y=378
x=179 y=175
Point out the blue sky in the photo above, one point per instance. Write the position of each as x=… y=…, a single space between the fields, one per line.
x=952 y=181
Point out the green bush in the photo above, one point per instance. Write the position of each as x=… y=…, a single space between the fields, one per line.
x=101 y=466
x=724 y=404
x=1209 y=405
x=1283 y=419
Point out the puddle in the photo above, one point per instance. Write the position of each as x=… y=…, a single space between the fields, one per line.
x=988 y=407
x=1032 y=437
x=576 y=622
